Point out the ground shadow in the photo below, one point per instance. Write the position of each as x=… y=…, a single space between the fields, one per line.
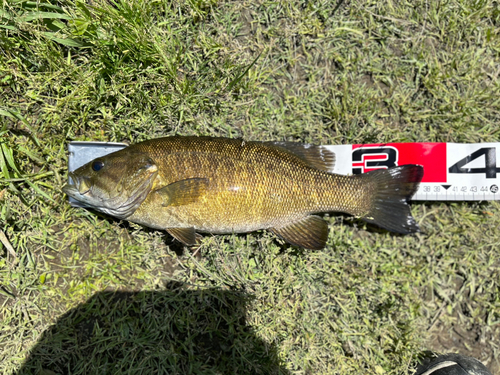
x=178 y=331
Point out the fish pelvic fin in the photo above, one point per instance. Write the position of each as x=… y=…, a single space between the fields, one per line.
x=310 y=232
x=187 y=236
x=391 y=192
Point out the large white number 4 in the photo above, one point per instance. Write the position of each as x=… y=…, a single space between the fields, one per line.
x=490 y=169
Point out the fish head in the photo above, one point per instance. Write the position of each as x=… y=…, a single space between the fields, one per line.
x=115 y=184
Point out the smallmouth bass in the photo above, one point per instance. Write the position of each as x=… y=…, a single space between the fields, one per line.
x=186 y=185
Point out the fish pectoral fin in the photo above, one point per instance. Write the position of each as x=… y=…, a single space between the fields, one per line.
x=318 y=157
x=310 y=232
x=183 y=192
x=187 y=236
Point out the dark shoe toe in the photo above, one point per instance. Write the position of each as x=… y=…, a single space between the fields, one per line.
x=452 y=364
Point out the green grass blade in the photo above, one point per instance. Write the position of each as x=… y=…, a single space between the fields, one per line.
x=3 y=165
x=239 y=78
x=68 y=42
x=15 y=115
x=39 y=191
x=30 y=154
x=27 y=17
x=9 y=158
x=7 y=113
x=33 y=4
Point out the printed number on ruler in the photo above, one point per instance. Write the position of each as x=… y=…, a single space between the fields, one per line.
x=489 y=169
x=473 y=172
x=452 y=171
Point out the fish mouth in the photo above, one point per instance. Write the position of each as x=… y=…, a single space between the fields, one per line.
x=70 y=190
x=117 y=206
x=73 y=192
x=74 y=186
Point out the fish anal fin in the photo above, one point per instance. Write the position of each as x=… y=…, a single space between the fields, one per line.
x=310 y=232
x=183 y=192
x=187 y=236
x=319 y=157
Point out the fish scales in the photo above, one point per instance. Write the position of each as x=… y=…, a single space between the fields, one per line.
x=219 y=185
x=249 y=187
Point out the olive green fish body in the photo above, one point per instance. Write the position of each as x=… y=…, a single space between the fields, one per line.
x=249 y=187
x=219 y=185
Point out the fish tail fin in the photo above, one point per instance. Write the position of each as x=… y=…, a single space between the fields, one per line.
x=391 y=190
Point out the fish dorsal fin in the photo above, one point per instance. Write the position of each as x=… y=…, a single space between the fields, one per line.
x=310 y=232
x=185 y=235
x=183 y=192
x=318 y=157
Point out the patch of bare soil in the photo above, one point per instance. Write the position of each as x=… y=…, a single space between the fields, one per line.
x=464 y=328
x=470 y=341
x=457 y=332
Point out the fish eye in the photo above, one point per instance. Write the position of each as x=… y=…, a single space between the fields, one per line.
x=97 y=165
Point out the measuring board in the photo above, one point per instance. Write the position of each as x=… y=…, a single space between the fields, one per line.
x=452 y=171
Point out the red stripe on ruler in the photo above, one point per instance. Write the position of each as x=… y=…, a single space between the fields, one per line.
x=432 y=156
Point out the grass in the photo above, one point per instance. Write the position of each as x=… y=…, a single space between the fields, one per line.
x=96 y=295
